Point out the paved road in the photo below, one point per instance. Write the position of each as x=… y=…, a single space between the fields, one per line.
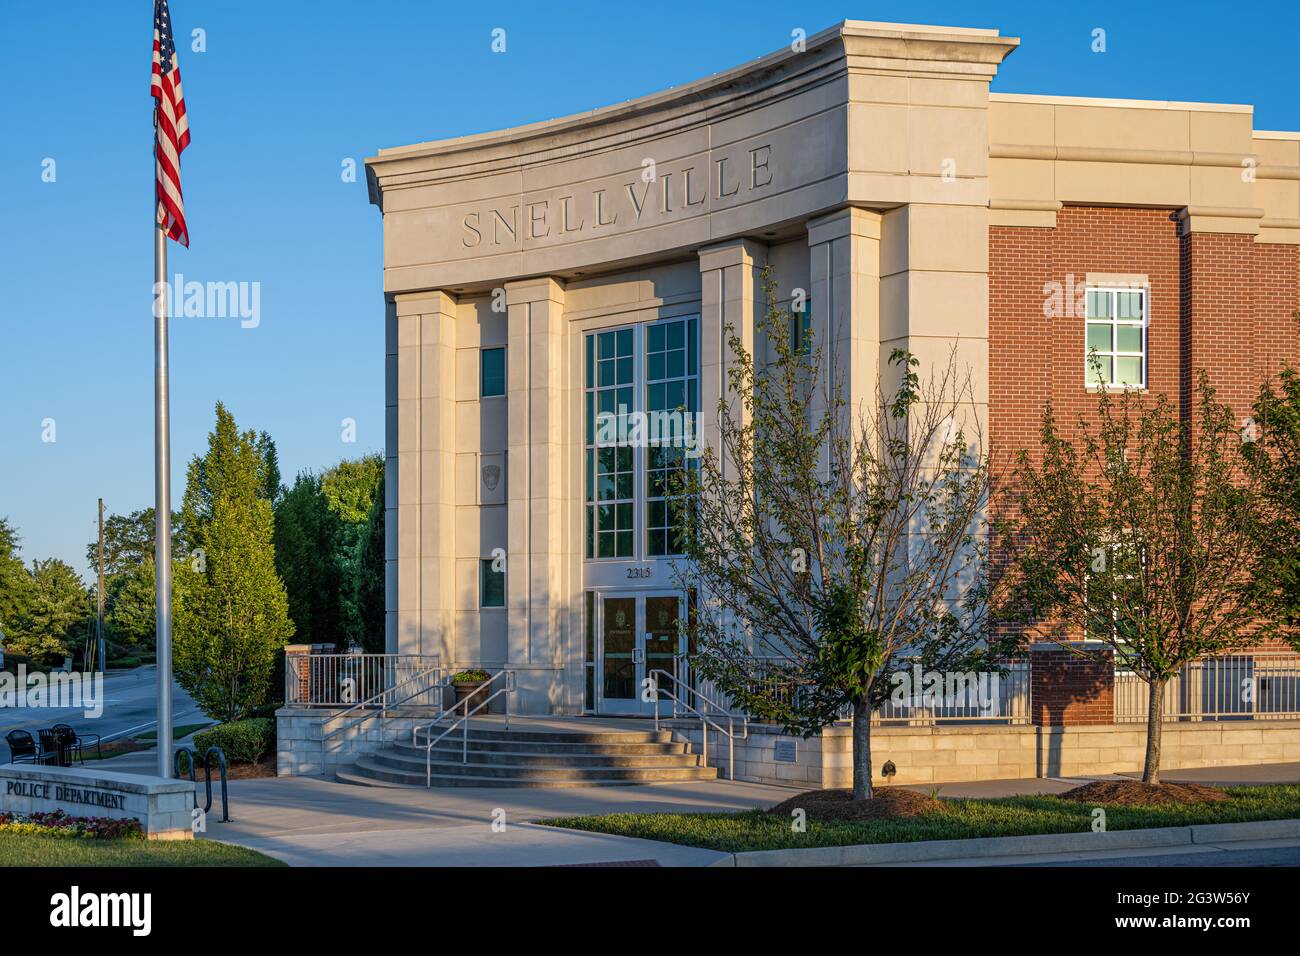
x=130 y=704
x=1281 y=852
x=1276 y=853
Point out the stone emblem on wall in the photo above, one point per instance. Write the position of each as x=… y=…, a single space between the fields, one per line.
x=492 y=472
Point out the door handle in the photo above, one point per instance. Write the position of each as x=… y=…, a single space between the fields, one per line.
x=638 y=656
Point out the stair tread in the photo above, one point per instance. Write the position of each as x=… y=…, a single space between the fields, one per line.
x=365 y=772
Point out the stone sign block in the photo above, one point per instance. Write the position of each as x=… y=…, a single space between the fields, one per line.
x=162 y=806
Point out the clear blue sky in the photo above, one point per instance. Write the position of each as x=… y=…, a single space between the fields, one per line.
x=284 y=93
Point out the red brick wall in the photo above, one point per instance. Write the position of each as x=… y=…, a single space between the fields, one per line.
x=1222 y=302
x=1067 y=688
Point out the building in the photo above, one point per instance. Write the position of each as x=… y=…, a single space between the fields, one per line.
x=536 y=272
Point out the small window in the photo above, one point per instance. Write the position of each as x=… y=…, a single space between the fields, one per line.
x=801 y=329
x=494 y=372
x=492 y=585
x=1115 y=343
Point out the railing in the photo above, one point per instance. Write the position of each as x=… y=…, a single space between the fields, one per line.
x=419 y=685
x=340 y=680
x=1235 y=687
x=998 y=697
x=706 y=720
x=508 y=688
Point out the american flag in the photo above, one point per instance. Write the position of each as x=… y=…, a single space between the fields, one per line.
x=171 y=127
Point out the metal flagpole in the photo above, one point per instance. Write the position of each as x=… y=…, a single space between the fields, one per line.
x=162 y=548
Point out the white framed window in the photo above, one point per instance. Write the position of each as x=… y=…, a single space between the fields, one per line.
x=650 y=370
x=1115 y=337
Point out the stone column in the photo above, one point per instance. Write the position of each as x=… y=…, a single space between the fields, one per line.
x=425 y=487
x=934 y=302
x=536 y=448
x=391 y=636
x=844 y=253
x=731 y=294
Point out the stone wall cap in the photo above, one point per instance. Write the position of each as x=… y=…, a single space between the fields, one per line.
x=102 y=779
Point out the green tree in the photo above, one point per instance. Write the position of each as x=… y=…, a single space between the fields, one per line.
x=832 y=543
x=231 y=613
x=15 y=581
x=351 y=487
x=128 y=540
x=1139 y=533
x=130 y=607
x=1272 y=451
x=56 y=608
x=306 y=535
x=271 y=487
x=368 y=586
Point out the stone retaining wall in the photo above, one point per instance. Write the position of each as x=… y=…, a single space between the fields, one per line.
x=954 y=753
x=302 y=749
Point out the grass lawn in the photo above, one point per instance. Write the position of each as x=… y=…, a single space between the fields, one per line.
x=18 y=849
x=960 y=819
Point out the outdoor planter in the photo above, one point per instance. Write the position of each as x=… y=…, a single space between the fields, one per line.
x=470 y=687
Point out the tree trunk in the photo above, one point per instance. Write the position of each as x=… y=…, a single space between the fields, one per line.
x=862 y=749
x=1155 y=724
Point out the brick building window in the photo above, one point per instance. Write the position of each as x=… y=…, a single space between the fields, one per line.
x=1115 y=344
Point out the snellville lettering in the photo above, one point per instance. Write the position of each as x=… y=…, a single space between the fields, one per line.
x=669 y=192
x=64 y=793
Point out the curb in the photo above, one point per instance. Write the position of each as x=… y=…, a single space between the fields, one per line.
x=925 y=851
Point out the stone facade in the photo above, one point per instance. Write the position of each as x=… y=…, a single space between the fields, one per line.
x=882 y=182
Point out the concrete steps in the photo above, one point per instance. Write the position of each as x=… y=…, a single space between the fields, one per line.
x=534 y=758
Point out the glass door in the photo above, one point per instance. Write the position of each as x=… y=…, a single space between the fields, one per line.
x=619 y=677
x=638 y=635
x=661 y=642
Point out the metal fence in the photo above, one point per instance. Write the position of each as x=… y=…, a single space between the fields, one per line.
x=342 y=680
x=1235 y=687
x=995 y=697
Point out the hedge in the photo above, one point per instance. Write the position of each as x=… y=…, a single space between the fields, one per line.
x=242 y=741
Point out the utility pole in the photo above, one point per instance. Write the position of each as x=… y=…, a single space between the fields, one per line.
x=100 y=659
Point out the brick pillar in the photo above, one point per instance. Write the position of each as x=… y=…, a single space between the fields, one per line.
x=296 y=658
x=1070 y=690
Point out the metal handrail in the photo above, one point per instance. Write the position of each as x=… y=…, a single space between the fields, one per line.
x=448 y=711
x=705 y=721
x=464 y=720
x=383 y=703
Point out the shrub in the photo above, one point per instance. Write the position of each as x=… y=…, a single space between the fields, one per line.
x=473 y=676
x=242 y=741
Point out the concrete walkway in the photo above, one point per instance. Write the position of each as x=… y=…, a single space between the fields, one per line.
x=316 y=821
x=310 y=821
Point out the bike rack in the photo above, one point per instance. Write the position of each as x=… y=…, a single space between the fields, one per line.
x=207 y=776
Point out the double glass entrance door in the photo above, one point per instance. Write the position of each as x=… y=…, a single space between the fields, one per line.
x=639 y=635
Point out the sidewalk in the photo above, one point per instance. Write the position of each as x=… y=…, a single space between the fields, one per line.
x=316 y=821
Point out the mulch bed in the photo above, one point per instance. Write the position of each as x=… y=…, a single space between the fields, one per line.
x=888 y=803
x=237 y=771
x=1135 y=793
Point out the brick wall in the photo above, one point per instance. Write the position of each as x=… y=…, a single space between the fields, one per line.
x=1068 y=689
x=1222 y=302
